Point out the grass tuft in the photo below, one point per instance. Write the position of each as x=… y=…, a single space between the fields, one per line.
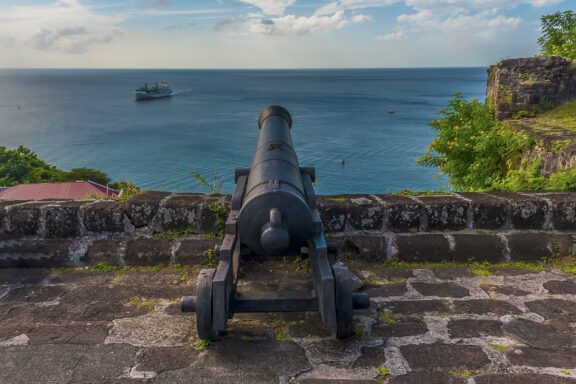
x=386 y=318
x=201 y=345
x=500 y=348
x=383 y=373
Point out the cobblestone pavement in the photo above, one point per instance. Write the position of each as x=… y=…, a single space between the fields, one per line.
x=436 y=325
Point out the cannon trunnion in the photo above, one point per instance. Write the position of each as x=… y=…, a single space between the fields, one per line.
x=274 y=213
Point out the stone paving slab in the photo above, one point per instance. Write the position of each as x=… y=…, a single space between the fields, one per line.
x=429 y=326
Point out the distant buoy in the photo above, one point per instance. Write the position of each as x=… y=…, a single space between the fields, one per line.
x=343 y=161
x=391 y=111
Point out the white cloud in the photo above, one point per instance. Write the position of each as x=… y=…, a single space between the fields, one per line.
x=65 y=25
x=292 y=25
x=346 y=5
x=271 y=7
x=483 y=19
x=393 y=36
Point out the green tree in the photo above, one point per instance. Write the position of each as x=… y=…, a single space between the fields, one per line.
x=559 y=34
x=21 y=165
x=86 y=174
x=472 y=147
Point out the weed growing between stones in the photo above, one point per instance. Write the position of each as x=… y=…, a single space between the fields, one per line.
x=186 y=272
x=383 y=373
x=129 y=191
x=201 y=345
x=386 y=318
x=465 y=373
x=360 y=331
x=280 y=333
x=219 y=210
x=138 y=302
x=336 y=199
x=211 y=258
x=170 y=235
x=566 y=372
x=103 y=266
x=500 y=348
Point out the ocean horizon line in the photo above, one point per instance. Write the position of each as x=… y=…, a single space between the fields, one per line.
x=237 y=69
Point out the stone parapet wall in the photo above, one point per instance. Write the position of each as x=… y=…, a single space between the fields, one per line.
x=454 y=227
x=530 y=84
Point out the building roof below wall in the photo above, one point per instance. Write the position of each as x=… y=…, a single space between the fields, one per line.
x=74 y=190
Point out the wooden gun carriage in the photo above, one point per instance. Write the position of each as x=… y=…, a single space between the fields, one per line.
x=274 y=213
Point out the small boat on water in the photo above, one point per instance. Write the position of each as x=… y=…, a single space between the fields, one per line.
x=159 y=90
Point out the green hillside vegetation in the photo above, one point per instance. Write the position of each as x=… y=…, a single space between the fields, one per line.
x=21 y=166
x=563 y=116
x=479 y=153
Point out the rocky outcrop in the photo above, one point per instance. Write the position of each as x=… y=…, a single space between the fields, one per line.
x=530 y=85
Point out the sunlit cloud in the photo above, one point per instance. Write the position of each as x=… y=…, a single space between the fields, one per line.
x=65 y=25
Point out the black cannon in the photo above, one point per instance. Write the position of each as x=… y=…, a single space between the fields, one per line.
x=274 y=213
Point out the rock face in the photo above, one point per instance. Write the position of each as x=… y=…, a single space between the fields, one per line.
x=530 y=84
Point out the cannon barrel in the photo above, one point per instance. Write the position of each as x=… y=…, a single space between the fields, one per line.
x=275 y=217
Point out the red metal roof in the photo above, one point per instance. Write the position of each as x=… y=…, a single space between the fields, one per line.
x=74 y=190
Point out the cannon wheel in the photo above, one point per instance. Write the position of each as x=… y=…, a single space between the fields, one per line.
x=204 y=304
x=344 y=305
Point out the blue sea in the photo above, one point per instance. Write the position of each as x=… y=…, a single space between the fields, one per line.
x=88 y=118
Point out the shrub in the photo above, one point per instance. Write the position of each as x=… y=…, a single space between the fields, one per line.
x=472 y=147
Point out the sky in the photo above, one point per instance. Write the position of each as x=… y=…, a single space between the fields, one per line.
x=268 y=33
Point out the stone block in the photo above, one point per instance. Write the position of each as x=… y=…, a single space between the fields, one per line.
x=522 y=378
x=452 y=273
x=148 y=252
x=440 y=289
x=4 y=218
x=423 y=248
x=535 y=357
x=527 y=211
x=103 y=216
x=191 y=252
x=561 y=287
x=141 y=209
x=403 y=213
x=418 y=308
x=105 y=250
x=183 y=213
x=445 y=212
x=62 y=220
x=430 y=377
x=563 y=210
x=24 y=219
x=401 y=328
x=370 y=357
x=530 y=246
x=34 y=253
x=386 y=290
x=478 y=247
x=365 y=213
x=423 y=357
x=488 y=212
x=361 y=247
x=485 y=307
x=553 y=309
x=539 y=335
x=334 y=213
x=563 y=244
x=467 y=328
